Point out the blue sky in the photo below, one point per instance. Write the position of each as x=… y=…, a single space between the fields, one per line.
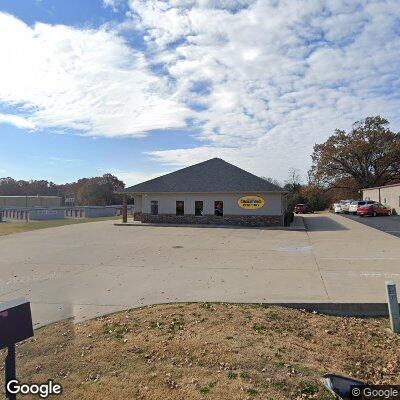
x=139 y=88
x=69 y=155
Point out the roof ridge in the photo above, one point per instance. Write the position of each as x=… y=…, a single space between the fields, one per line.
x=211 y=175
x=180 y=169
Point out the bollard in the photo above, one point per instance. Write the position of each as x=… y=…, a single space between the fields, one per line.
x=393 y=306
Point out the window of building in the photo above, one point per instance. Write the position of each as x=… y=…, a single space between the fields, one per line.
x=219 y=208
x=198 y=208
x=180 y=207
x=154 y=207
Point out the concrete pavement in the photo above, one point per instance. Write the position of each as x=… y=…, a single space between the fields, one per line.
x=86 y=270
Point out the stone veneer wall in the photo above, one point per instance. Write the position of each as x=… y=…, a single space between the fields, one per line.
x=245 y=220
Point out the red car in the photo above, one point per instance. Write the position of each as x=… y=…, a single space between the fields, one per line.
x=373 y=210
x=303 y=209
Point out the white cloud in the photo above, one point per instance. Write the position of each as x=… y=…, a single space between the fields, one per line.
x=88 y=80
x=281 y=75
x=19 y=122
x=269 y=78
x=112 y=4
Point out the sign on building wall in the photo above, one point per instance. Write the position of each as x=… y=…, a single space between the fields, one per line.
x=251 y=202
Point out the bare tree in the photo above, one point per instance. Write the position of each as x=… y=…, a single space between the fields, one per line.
x=293 y=182
x=271 y=180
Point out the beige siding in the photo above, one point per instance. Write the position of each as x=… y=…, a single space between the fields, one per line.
x=137 y=203
x=389 y=196
x=274 y=203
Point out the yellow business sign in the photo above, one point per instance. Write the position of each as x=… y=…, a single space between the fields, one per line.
x=251 y=202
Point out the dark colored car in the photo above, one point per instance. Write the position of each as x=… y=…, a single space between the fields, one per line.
x=303 y=209
x=373 y=210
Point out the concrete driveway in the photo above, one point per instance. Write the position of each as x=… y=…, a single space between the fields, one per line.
x=86 y=270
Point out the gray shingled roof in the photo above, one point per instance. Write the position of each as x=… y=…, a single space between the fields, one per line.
x=213 y=175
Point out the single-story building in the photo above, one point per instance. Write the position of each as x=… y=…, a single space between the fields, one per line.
x=30 y=201
x=211 y=192
x=388 y=195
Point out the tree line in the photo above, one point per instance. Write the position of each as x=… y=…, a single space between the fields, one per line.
x=99 y=190
x=366 y=156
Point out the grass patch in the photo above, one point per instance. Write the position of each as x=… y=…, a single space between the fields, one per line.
x=244 y=375
x=165 y=352
x=259 y=328
x=252 y=392
x=232 y=375
x=115 y=330
x=309 y=389
x=205 y=390
x=8 y=228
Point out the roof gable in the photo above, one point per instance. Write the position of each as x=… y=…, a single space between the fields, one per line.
x=215 y=175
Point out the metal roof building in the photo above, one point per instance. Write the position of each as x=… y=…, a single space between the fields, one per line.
x=30 y=201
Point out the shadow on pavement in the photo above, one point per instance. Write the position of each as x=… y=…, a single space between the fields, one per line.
x=321 y=223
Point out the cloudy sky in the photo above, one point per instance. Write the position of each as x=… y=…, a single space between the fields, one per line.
x=143 y=87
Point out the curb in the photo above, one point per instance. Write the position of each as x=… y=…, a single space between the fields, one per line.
x=298 y=224
x=342 y=309
x=281 y=228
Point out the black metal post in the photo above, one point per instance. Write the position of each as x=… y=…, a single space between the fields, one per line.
x=10 y=373
x=124 y=209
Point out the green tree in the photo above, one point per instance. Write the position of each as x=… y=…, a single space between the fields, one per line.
x=98 y=191
x=89 y=193
x=317 y=198
x=369 y=154
x=9 y=187
x=109 y=185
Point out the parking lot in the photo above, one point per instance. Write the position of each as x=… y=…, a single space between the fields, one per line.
x=97 y=268
x=389 y=224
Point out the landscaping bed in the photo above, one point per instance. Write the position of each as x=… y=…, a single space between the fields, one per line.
x=208 y=351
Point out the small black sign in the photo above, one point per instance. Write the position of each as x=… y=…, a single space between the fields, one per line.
x=15 y=322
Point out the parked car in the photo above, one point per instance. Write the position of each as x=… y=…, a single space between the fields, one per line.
x=337 y=209
x=303 y=209
x=373 y=210
x=355 y=204
x=345 y=204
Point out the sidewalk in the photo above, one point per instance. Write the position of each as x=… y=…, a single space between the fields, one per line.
x=297 y=224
